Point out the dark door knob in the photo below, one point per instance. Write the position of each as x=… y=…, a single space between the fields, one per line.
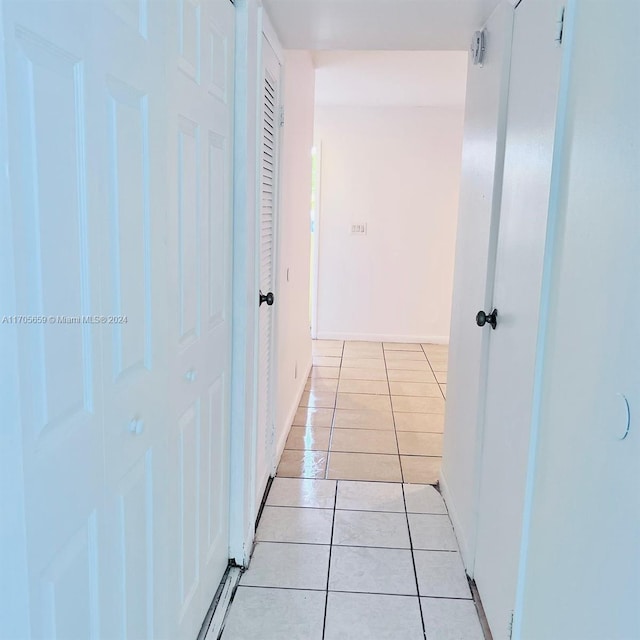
x=268 y=298
x=483 y=318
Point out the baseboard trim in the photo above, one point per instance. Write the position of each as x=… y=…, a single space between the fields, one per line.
x=382 y=337
x=465 y=551
x=216 y=617
x=282 y=440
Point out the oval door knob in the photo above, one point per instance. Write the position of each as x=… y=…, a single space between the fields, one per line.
x=191 y=375
x=483 y=318
x=136 y=426
x=266 y=298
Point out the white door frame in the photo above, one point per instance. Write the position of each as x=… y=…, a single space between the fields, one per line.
x=315 y=267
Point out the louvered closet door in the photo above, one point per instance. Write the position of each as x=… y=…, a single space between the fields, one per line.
x=270 y=123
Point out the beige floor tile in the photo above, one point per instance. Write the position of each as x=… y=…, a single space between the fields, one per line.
x=448 y=618
x=258 y=613
x=311 y=417
x=358 y=373
x=363 y=402
x=373 y=529
x=435 y=349
x=376 y=387
x=411 y=376
x=362 y=343
x=364 y=466
x=438 y=364
x=428 y=422
x=392 y=356
x=432 y=532
x=419 y=444
x=443 y=387
x=371 y=570
x=302 y=464
x=365 y=441
x=361 y=616
x=331 y=352
x=318 y=399
x=441 y=574
x=363 y=352
x=419 y=498
x=401 y=346
x=326 y=361
x=425 y=389
x=441 y=377
x=325 y=372
x=408 y=365
x=376 y=496
x=288 y=565
x=363 y=363
x=318 y=494
x=349 y=419
x=309 y=439
x=322 y=384
x=291 y=524
x=412 y=404
x=329 y=343
x=421 y=470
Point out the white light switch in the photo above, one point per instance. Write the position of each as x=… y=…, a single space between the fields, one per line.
x=359 y=229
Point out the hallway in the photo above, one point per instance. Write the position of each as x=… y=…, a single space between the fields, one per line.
x=352 y=542
x=371 y=411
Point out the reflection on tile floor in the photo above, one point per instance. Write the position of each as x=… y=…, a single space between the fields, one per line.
x=352 y=542
x=353 y=560
x=370 y=411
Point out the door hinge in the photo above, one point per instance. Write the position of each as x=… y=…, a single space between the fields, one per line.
x=282 y=115
x=560 y=26
x=511 y=626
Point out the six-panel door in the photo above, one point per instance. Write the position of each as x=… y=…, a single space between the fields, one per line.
x=120 y=121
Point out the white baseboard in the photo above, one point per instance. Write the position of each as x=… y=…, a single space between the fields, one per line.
x=465 y=550
x=379 y=337
x=216 y=622
x=282 y=440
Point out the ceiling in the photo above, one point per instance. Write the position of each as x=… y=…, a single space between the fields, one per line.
x=378 y=24
x=391 y=78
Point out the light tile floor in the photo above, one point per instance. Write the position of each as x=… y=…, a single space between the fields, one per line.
x=352 y=542
x=341 y=559
x=370 y=411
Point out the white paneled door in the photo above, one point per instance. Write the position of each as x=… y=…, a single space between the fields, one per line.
x=56 y=244
x=200 y=119
x=270 y=134
x=119 y=162
x=531 y=118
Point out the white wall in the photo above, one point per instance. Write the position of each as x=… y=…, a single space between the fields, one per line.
x=293 y=336
x=581 y=558
x=396 y=169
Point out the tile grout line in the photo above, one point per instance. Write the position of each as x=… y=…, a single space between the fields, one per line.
x=426 y=355
x=413 y=562
x=368 y=593
x=333 y=420
x=393 y=417
x=333 y=524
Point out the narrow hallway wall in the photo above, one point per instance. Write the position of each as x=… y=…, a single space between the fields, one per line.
x=396 y=169
x=293 y=335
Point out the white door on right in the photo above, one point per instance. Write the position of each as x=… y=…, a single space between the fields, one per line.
x=531 y=117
